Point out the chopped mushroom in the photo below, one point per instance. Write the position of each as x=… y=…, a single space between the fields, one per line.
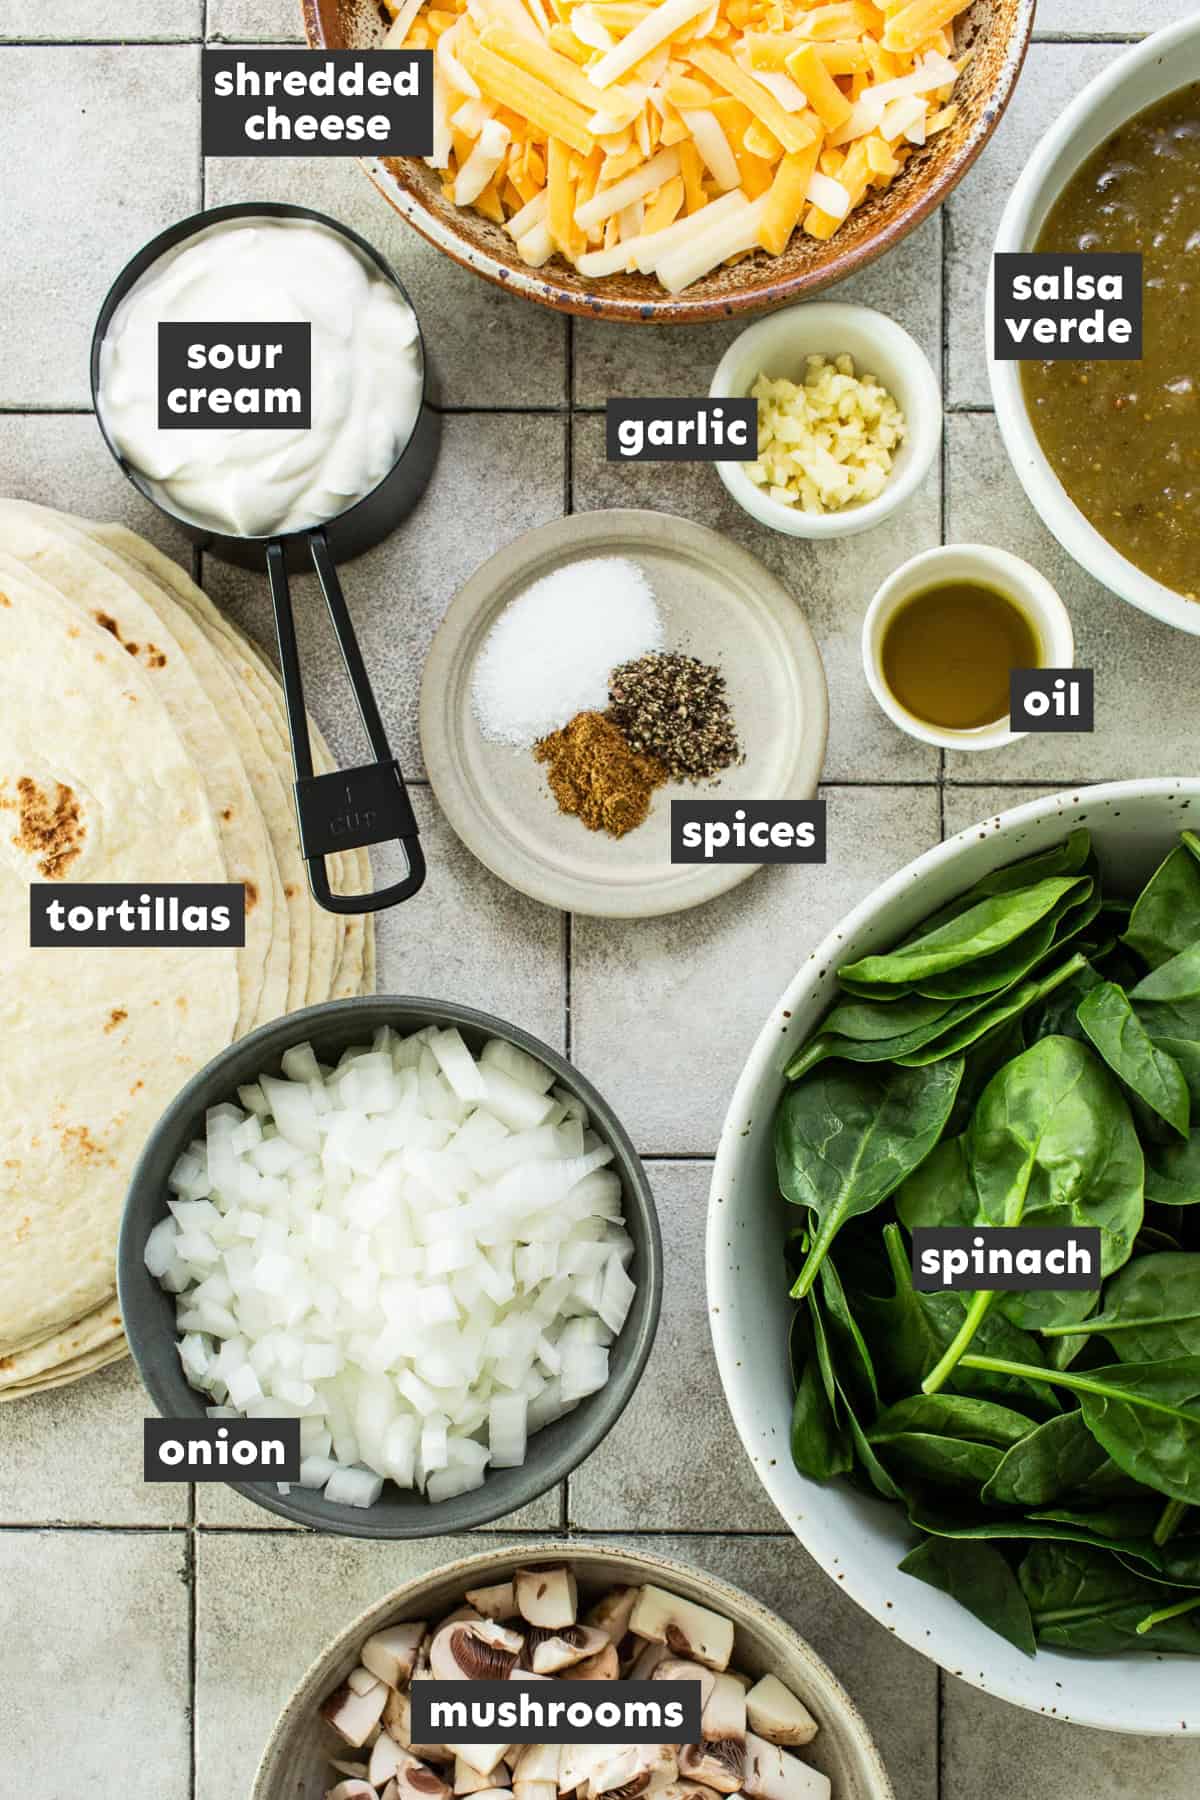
x=483 y=1757
x=546 y=1597
x=604 y=1666
x=498 y=1602
x=361 y=1680
x=774 y=1712
x=474 y=1650
x=351 y=1790
x=415 y=1781
x=687 y=1629
x=386 y=1758
x=647 y=1660
x=391 y=1655
x=611 y=1615
x=719 y=1760
x=353 y=1715
x=638 y=1769
x=556 y=1650
x=677 y=1668
x=469 y=1781
x=771 y=1774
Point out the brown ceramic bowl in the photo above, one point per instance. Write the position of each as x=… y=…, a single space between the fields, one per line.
x=996 y=30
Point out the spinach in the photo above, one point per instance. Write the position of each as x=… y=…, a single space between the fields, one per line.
x=1080 y=1599
x=1166 y=916
x=1121 y=1038
x=1056 y=1458
x=1146 y=1415
x=979 y=1578
x=1052 y=1143
x=1151 y=1309
x=846 y=1137
x=991 y=925
x=1014 y=1062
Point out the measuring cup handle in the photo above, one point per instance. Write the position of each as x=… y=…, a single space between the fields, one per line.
x=347 y=808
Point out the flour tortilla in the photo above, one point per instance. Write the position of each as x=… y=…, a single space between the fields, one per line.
x=95 y=785
x=67 y=1374
x=98 y=1330
x=166 y=648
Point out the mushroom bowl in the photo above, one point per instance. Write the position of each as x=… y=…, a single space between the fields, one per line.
x=792 y=1731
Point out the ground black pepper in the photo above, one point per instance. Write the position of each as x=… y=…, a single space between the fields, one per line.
x=674 y=708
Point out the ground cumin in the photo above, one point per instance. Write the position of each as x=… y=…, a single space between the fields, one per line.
x=596 y=776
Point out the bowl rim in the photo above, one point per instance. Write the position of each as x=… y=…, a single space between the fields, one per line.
x=775 y=1474
x=925 y=437
x=737 y=1601
x=1045 y=492
x=660 y=308
x=593 y=1423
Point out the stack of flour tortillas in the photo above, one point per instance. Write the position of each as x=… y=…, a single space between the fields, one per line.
x=142 y=739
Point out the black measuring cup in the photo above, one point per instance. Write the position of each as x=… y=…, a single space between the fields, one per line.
x=346 y=809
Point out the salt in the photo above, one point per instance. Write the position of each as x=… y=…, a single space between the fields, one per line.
x=550 y=653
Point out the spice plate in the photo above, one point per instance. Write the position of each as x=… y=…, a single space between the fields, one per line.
x=717 y=603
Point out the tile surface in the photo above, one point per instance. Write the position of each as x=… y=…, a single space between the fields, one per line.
x=665 y=1011
x=255 y=21
x=1107 y=18
x=59 y=459
x=74 y=1457
x=65 y=19
x=125 y=131
x=97 y=1673
x=696 y=1476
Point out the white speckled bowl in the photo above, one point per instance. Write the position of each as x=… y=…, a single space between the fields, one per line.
x=294 y=1763
x=1133 y=824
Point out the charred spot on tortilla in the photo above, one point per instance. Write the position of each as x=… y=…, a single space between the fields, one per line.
x=77 y=1142
x=109 y=623
x=251 y=895
x=4 y=600
x=116 y=1017
x=53 y=834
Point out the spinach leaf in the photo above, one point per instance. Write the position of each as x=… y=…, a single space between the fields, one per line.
x=949 y=1462
x=829 y=1044
x=960 y=1034
x=953 y=1415
x=846 y=1137
x=973 y=1528
x=1166 y=915
x=1052 y=1143
x=990 y=925
x=1173 y=1173
x=1120 y=1037
x=1053 y=1460
x=820 y=1444
x=843 y=1406
x=1068 y=858
x=841 y=1328
x=979 y=1578
x=1146 y=1415
x=1178 y=979
x=1120 y=1523
x=1151 y=1309
x=995 y=973
x=1082 y=1599
x=1055 y=1014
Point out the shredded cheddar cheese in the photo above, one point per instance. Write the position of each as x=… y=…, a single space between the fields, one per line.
x=672 y=136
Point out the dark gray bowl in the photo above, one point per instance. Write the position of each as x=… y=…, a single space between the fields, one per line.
x=149 y=1313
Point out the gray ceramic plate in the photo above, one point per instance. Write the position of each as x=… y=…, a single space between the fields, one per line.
x=149 y=1313
x=718 y=603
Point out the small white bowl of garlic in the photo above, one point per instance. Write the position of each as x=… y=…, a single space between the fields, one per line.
x=842 y=444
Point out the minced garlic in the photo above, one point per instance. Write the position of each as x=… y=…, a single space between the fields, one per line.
x=828 y=443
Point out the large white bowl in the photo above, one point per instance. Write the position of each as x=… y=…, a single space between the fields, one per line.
x=857 y=1540
x=1158 y=66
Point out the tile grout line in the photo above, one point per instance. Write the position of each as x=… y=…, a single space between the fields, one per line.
x=568 y=941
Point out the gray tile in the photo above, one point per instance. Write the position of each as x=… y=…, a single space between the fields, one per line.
x=664 y=1011
x=648 y=1467
x=1052 y=75
x=965 y=807
x=1042 y=1757
x=680 y=359
x=468 y=936
x=1108 y=18
x=496 y=477
x=100 y=150
x=66 y=19
x=285 y=1596
x=94 y=1662
x=896 y=1690
x=833 y=582
x=74 y=1456
x=60 y=460
x=1145 y=671
x=256 y=21
x=486 y=347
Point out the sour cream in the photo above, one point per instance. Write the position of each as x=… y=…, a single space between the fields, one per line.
x=367 y=377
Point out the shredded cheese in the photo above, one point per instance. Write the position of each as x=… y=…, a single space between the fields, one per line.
x=672 y=136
